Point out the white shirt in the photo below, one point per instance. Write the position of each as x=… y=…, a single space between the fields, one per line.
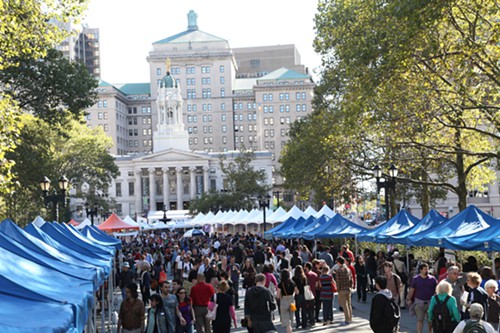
x=461 y=325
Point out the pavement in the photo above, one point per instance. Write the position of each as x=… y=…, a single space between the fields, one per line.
x=360 y=320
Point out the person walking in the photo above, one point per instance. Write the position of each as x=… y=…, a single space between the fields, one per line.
x=170 y=305
x=327 y=288
x=379 y=322
x=225 y=309
x=131 y=315
x=344 y=285
x=312 y=281
x=186 y=309
x=475 y=323
x=259 y=303
x=286 y=291
x=201 y=293
x=300 y=282
x=126 y=278
x=476 y=293
x=493 y=313
x=419 y=296
x=233 y=270
x=361 y=278
x=446 y=322
x=156 y=320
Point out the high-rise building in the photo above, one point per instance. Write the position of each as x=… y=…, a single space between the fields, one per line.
x=82 y=46
x=231 y=98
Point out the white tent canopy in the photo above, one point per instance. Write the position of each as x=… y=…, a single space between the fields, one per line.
x=84 y=223
x=38 y=221
x=310 y=211
x=325 y=210
x=277 y=215
x=130 y=221
x=249 y=217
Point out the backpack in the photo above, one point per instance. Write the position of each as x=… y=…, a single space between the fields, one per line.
x=474 y=326
x=392 y=313
x=441 y=321
x=402 y=275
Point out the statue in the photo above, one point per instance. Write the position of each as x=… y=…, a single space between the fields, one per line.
x=167 y=65
x=192 y=17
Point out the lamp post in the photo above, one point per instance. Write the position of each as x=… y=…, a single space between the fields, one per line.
x=264 y=204
x=54 y=198
x=91 y=211
x=388 y=183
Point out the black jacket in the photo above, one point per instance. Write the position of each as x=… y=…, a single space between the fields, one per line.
x=377 y=322
x=259 y=303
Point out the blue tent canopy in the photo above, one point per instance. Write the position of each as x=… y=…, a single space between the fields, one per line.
x=340 y=228
x=299 y=227
x=28 y=279
x=80 y=240
x=34 y=244
x=466 y=223
x=70 y=243
x=317 y=223
x=78 y=272
x=399 y=223
x=430 y=220
x=287 y=223
x=97 y=235
x=44 y=317
x=311 y=233
x=38 y=233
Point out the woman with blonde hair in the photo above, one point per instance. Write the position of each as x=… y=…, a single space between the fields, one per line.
x=476 y=294
x=493 y=309
x=225 y=309
x=443 y=296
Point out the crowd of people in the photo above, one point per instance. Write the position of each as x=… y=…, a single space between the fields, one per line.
x=188 y=283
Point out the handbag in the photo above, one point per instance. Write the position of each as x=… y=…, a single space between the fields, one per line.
x=163 y=276
x=334 y=286
x=212 y=309
x=308 y=294
x=293 y=307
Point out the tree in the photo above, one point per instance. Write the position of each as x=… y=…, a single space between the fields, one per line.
x=243 y=184
x=416 y=77
x=26 y=31
x=73 y=150
x=52 y=88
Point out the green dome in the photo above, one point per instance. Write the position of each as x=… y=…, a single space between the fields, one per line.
x=168 y=81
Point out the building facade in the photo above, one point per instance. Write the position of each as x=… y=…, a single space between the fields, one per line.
x=246 y=97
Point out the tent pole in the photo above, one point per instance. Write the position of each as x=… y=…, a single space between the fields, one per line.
x=103 y=308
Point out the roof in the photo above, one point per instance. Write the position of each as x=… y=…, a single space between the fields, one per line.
x=284 y=74
x=103 y=83
x=134 y=88
x=244 y=84
x=190 y=36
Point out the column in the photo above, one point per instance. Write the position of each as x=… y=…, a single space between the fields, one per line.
x=166 y=188
x=205 y=178
x=152 y=185
x=192 y=182
x=138 y=192
x=178 y=172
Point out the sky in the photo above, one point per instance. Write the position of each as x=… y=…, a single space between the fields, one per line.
x=128 y=28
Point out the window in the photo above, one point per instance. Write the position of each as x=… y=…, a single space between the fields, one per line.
x=271 y=133
x=297 y=96
x=221 y=80
x=105 y=115
x=175 y=70
x=190 y=130
x=195 y=119
x=249 y=128
x=223 y=106
x=241 y=117
x=99 y=115
x=271 y=108
x=270 y=97
x=222 y=92
x=224 y=139
x=189 y=107
x=205 y=80
x=282 y=108
x=303 y=95
x=190 y=81
x=190 y=70
x=221 y=69
x=266 y=110
x=209 y=107
x=204 y=118
x=99 y=104
x=206 y=93
x=271 y=121
x=158 y=71
x=287 y=108
x=205 y=69
x=104 y=104
x=266 y=133
x=282 y=96
x=189 y=119
x=191 y=93
x=297 y=107
x=287 y=96
x=146 y=120
x=194 y=107
x=264 y=97
x=223 y=117
x=249 y=116
x=255 y=63
x=224 y=128
x=204 y=107
x=266 y=121
x=304 y=107
x=105 y=127
x=131 y=188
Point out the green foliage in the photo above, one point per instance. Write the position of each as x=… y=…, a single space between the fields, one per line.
x=52 y=88
x=243 y=184
x=76 y=151
x=27 y=32
x=414 y=83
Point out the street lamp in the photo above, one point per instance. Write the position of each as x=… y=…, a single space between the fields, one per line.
x=91 y=211
x=264 y=204
x=54 y=198
x=388 y=183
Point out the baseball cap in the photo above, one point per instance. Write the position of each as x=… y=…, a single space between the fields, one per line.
x=126 y=264
x=476 y=310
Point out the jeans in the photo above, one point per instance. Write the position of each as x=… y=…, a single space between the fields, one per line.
x=327 y=310
x=361 y=289
x=300 y=302
x=317 y=304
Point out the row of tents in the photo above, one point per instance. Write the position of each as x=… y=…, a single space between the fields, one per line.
x=49 y=275
x=471 y=229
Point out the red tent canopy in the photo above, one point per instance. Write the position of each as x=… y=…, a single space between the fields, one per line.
x=114 y=223
x=73 y=223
